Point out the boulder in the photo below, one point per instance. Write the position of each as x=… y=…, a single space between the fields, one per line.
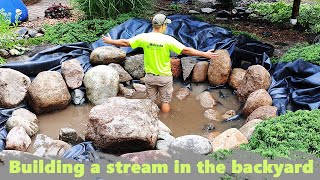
x=124 y=76
x=257 y=99
x=229 y=139
x=193 y=143
x=236 y=77
x=182 y=93
x=139 y=87
x=187 y=66
x=47 y=147
x=78 y=97
x=18 y=139
x=263 y=113
x=219 y=68
x=163 y=127
x=164 y=141
x=211 y=135
x=200 y=72
x=24 y=118
x=101 y=82
x=70 y=136
x=4 y=53
x=13 y=87
x=124 y=125
x=228 y=114
x=126 y=92
x=48 y=92
x=176 y=67
x=211 y=114
x=147 y=156
x=206 y=100
x=32 y=32
x=107 y=54
x=248 y=128
x=73 y=73
x=134 y=65
x=256 y=77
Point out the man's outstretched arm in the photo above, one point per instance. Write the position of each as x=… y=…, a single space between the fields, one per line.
x=118 y=42
x=193 y=52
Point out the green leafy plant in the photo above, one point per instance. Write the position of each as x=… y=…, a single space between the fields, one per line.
x=7 y=36
x=103 y=9
x=57 y=11
x=310 y=53
x=176 y=7
x=81 y=31
x=2 y=60
x=294 y=131
x=220 y=154
x=251 y=35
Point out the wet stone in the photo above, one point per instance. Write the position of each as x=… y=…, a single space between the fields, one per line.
x=211 y=114
x=187 y=66
x=182 y=93
x=70 y=136
x=134 y=65
x=78 y=97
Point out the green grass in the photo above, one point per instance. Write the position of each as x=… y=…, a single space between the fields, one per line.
x=294 y=131
x=251 y=35
x=310 y=53
x=2 y=60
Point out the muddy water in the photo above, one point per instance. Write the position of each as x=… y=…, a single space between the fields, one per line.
x=186 y=117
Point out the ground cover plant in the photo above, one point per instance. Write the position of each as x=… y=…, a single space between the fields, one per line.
x=310 y=53
x=280 y=12
x=294 y=131
x=7 y=36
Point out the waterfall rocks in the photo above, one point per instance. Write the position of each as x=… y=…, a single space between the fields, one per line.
x=134 y=65
x=176 y=68
x=236 y=77
x=200 y=72
x=124 y=76
x=72 y=72
x=147 y=156
x=193 y=143
x=255 y=100
x=229 y=139
x=188 y=64
x=182 y=93
x=206 y=100
x=18 y=139
x=107 y=54
x=263 y=113
x=219 y=68
x=248 y=128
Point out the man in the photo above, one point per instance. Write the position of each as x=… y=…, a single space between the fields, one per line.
x=157 y=47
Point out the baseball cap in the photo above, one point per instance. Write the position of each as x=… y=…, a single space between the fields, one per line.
x=160 y=19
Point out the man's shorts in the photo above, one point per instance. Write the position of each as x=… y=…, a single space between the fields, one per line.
x=159 y=85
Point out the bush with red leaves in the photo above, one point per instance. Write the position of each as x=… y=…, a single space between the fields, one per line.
x=58 y=11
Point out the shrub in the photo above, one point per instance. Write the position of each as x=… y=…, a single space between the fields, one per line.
x=81 y=31
x=103 y=9
x=7 y=36
x=310 y=53
x=280 y=12
x=2 y=60
x=294 y=131
x=57 y=11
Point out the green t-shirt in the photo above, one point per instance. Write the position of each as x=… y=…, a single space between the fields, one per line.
x=157 y=47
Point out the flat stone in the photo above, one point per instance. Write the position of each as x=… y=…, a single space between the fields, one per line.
x=207 y=10
x=193 y=143
x=73 y=73
x=206 y=100
x=229 y=139
x=182 y=93
x=211 y=114
x=106 y=55
x=187 y=66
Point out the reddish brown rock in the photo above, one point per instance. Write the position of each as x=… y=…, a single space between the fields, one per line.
x=147 y=156
x=48 y=92
x=229 y=139
x=176 y=68
x=211 y=114
x=200 y=72
x=236 y=77
x=73 y=73
x=248 y=129
x=256 y=77
x=263 y=113
x=182 y=93
x=219 y=68
x=211 y=135
x=257 y=99
x=206 y=100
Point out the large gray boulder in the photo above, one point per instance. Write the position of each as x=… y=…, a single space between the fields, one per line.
x=134 y=65
x=73 y=73
x=13 y=87
x=107 y=54
x=256 y=77
x=124 y=125
x=48 y=92
x=193 y=143
x=188 y=64
x=124 y=76
x=101 y=82
x=219 y=68
x=24 y=118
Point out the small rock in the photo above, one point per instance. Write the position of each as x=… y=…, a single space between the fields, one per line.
x=228 y=114
x=4 y=53
x=219 y=68
x=147 y=156
x=182 y=93
x=257 y=99
x=256 y=77
x=18 y=139
x=46 y=146
x=263 y=113
x=176 y=68
x=200 y=72
x=78 y=97
x=41 y=30
x=208 y=127
x=207 y=10
x=236 y=77
x=229 y=139
x=194 y=143
x=73 y=73
x=124 y=76
x=139 y=87
x=193 y=12
x=39 y=35
x=187 y=66
x=211 y=135
x=206 y=100
x=163 y=127
x=134 y=65
x=164 y=141
x=26 y=36
x=70 y=136
x=107 y=54
x=22 y=31
x=126 y=92
x=24 y=118
x=56 y=149
x=32 y=33
x=101 y=82
x=14 y=52
x=211 y=114
x=248 y=128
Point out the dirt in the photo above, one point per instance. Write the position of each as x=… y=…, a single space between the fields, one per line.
x=30 y=2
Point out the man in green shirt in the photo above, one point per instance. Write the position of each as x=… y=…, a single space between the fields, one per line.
x=157 y=47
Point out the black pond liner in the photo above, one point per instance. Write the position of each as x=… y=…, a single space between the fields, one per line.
x=298 y=80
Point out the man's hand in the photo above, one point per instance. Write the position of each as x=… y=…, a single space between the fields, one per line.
x=210 y=55
x=106 y=39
